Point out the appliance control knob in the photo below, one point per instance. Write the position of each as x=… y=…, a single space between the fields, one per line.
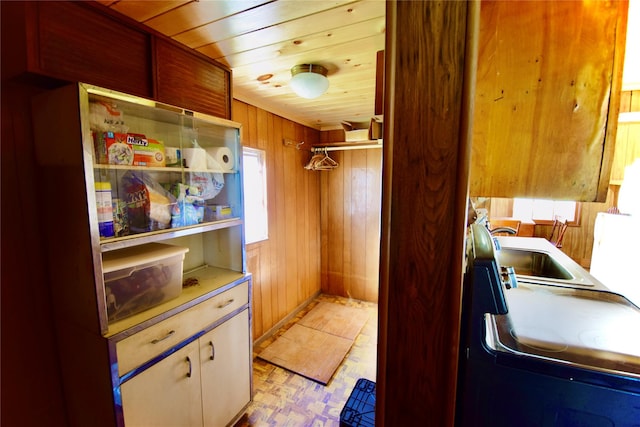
x=509 y=277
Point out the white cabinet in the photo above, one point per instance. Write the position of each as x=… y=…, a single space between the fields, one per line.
x=135 y=350
x=174 y=177
x=225 y=373
x=167 y=394
x=206 y=383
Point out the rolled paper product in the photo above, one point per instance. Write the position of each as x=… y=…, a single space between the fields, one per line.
x=223 y=158
x=196 y=158
x=173 y=156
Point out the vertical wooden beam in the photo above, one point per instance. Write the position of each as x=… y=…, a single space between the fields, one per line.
x=379 y=100
x=429 y=78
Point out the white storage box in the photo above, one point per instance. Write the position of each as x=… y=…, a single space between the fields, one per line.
x=141 y=277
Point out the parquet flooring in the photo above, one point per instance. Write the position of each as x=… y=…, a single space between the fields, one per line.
x=282 y=398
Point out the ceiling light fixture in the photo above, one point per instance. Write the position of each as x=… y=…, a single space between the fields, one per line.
x=309 y=80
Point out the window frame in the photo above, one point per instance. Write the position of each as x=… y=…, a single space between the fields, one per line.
x=261 y=155
x=577 y=215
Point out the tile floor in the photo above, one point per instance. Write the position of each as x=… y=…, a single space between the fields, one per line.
x=284 y=399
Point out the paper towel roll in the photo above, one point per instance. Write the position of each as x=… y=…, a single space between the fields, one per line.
x=220 y=158
x=195 y=158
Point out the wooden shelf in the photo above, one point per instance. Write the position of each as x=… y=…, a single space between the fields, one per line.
x=159 y=169
x=112 y=244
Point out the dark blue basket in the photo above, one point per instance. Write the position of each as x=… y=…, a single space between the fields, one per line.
x=360 y=409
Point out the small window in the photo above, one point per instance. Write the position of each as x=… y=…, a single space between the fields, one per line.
x=543 y=211
x=256 y=222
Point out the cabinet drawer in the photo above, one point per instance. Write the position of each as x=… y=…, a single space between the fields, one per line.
x=152 y=341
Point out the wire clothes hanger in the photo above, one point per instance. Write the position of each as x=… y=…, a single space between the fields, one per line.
x=321 y=161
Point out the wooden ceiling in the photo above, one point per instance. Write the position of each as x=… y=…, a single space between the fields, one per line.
x=262 y=38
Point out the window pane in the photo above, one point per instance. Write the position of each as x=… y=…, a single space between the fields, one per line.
x=540 y=209
x=565 y=209
x=523 y=209
x=255 y=195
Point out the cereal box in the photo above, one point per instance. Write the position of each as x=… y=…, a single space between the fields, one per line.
x=112 y=148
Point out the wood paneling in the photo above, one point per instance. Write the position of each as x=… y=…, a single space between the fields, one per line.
x=425 y=170
x=324 y=226
x=350 y=200
x=546 y=99
x=262 y=39
x=79 y=44
x=31 y=378
x=186 y=80
x=286 y=266
x=627 y=149
x=630 y=101
x=85 y=42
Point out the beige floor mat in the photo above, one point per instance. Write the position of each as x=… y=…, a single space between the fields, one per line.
x=316 y=345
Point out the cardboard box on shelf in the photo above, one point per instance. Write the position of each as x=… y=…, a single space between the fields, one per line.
x=355 y=131
x=146 y=151
x=128 y=149
x=363 y=131
x=376 y=127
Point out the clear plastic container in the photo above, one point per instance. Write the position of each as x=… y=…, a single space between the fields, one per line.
x=141 y=277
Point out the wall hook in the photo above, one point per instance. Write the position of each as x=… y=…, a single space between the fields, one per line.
x=289 y=143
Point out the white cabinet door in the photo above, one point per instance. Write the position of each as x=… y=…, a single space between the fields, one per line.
x=167 y=394
x=226 y=370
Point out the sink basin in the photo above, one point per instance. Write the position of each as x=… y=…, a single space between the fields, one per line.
x=533 y=263
x=535 y=260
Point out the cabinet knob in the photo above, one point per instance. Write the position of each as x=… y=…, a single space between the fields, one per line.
x=213 y=351
x=189 y=363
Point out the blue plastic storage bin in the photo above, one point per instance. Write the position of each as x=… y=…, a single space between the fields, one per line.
x=360 y=409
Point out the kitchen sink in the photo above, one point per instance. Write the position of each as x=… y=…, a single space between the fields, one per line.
x=535 y=260
x=533 y=263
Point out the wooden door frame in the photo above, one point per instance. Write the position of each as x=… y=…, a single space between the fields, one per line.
x=430 y=62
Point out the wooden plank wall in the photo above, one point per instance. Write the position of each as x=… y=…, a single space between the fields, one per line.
x=31 y=377
x=578 y=241
x=425 y=186
x=350 y=199
x=286 y=267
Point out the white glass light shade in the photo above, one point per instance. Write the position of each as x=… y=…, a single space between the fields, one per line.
x=309 y=81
